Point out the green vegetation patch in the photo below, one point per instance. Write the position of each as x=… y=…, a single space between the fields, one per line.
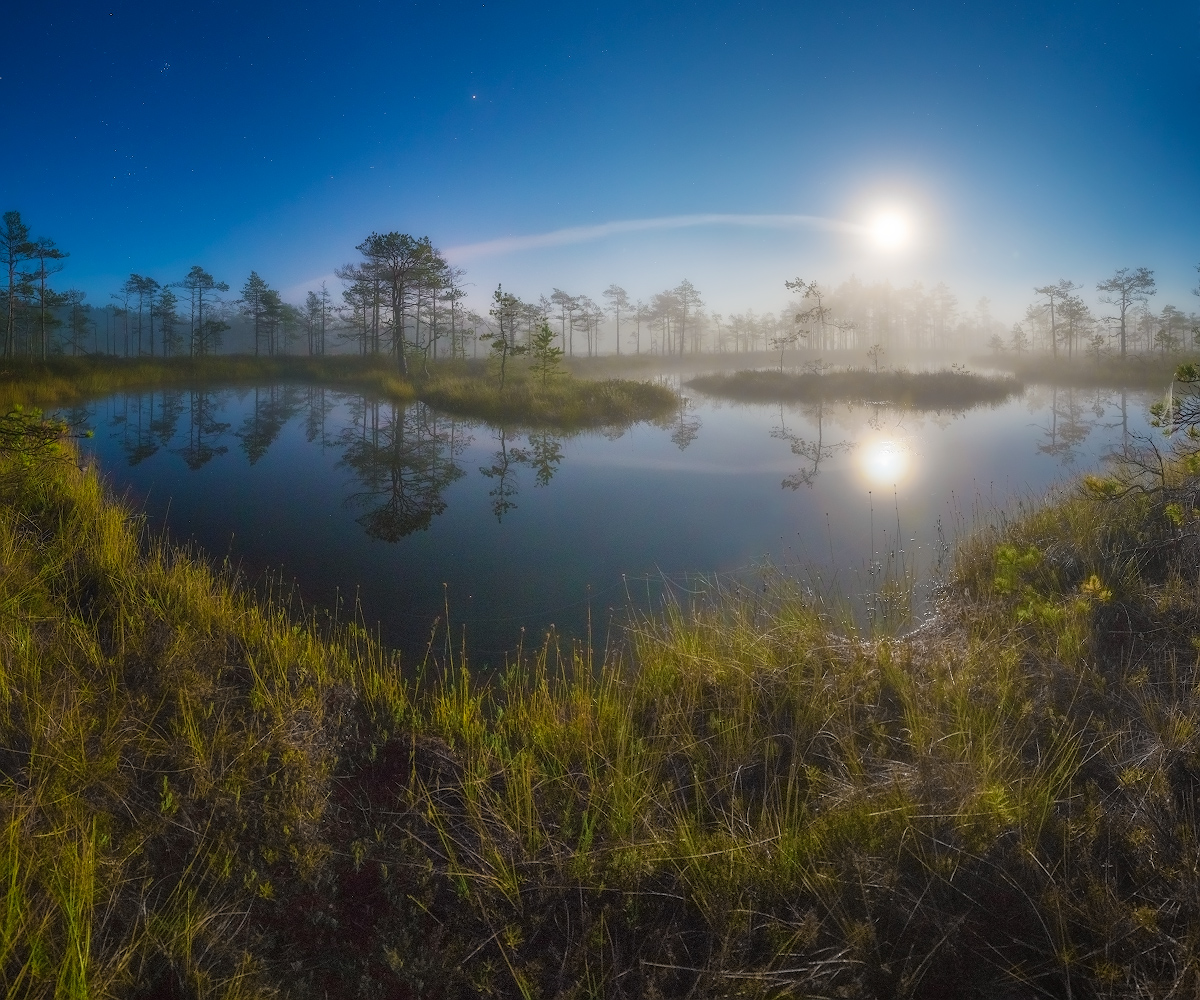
x=203 y=795
x=562 y=402
x=948 y=389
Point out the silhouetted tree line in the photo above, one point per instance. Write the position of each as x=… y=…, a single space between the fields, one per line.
x=402 y=298
x=1062 y=323
x=30 y=305
x=146 y=317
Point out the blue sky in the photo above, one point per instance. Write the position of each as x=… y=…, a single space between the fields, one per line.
x=1028 y=141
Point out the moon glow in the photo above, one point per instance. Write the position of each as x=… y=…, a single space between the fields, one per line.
x=891 y=230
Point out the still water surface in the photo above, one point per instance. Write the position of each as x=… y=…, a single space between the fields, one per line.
x=404 y=509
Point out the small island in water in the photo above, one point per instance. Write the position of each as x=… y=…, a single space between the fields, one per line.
x=943 y=389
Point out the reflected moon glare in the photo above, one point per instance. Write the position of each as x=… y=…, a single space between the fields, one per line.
x=885 y=462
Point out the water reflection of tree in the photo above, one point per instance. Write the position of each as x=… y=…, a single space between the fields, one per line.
x=686 y=425
x=543 y=455
x=403 y=458
x=170 y=409
x=318 y=405
x=1125 y=442
x=273 y=407
x=503 y=472
x=135 y=431
x=149 y=429
x=1132 y=443
x=812 y=451
x=204 y=429
x=404 y=461
x=1067 y=428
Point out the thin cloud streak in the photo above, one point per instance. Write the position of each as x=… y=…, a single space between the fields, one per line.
x=584 y=234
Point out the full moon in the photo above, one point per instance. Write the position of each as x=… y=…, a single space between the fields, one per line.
x=891 y=230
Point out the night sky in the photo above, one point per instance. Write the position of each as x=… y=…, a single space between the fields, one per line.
x=1027 y=141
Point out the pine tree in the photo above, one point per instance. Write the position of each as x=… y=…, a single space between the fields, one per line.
x=252 y=303
x=15 y=248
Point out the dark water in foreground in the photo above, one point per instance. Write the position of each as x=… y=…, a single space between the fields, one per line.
x=354 y=499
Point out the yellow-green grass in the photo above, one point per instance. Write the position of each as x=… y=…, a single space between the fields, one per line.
x=165 y=754
x=203 y=792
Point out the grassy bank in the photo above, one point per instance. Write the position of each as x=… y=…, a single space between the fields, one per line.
x=947 y=389
x=462 y=388
x=203 y=795
x=67 y=380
